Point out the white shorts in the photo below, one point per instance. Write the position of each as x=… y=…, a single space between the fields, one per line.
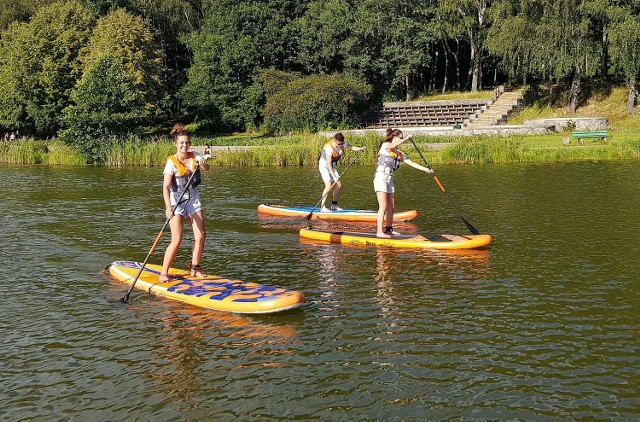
x=383 y=182
x=324 y=172
x=188 y=207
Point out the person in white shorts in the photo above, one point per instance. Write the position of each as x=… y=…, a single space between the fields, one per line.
x=177 y=173
x=327 y=165
x=389 y=159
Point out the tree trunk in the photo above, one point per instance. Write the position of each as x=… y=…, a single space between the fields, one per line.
x=456 y=58
x=406 y=87
x=475 y=64
x=631 y=100
x=574 y=91
x=446 y=68
x=434 y=68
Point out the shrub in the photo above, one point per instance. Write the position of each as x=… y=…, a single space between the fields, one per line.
x=314 y=103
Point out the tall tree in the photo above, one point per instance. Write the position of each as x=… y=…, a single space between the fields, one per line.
x=471 y=19
x=39 y=66
x=106 y=105
x=321 y=35
x=126 y=37
x=18 y=11
x=624 y=47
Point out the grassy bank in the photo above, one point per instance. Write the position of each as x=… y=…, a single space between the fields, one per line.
x=303 y=150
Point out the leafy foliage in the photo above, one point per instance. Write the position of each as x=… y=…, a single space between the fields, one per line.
x=124 y=36
x=315 y=102
x=107 y=106
x=39 y=66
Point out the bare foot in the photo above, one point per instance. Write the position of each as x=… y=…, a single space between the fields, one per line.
x=383 y=235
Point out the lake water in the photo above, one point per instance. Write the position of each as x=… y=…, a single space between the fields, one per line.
x=541 y=325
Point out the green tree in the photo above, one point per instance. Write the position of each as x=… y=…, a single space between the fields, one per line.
x=389 y=45
x=223 y=68
x=321 y=36
x=624 y=47
x=107 y=105
x=39 y=66
x=315 y=102
x=470 y=21
x=18 y=11
x=122 y=35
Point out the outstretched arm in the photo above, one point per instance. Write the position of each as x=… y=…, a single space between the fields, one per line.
x=418 y=166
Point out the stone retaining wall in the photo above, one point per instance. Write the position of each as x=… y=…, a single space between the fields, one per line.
x=581 y=123
x=503 y=130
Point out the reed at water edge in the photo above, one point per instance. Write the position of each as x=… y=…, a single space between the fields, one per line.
x=304 y=150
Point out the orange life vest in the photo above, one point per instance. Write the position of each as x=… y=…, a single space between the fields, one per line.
x=181 y=178
x=336 y=152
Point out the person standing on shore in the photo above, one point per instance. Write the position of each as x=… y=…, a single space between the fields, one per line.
x=177 y=173
x=327 y=165
x=389 y=159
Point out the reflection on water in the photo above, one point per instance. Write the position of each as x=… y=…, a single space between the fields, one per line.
x=541 y=325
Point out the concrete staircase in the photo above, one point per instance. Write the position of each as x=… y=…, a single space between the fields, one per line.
x=507 y=104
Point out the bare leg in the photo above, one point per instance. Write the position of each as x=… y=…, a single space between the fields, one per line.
x=325 y=193
x=391 y=202
x=177 y=229
x=336 y=194
x=383 y=205
x=199 y=235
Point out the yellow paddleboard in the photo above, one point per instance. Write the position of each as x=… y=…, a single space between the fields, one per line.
x=211 y=292
x=437 y=241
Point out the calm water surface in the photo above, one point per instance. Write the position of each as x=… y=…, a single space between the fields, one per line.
x=542 y=325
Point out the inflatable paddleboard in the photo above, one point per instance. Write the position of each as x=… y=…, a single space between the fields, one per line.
x=344 y=215
x=211 y=292
x=436 y=241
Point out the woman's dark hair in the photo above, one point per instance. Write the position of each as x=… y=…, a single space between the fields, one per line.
x=179 y=130
x=391 y=133
x=339 y=137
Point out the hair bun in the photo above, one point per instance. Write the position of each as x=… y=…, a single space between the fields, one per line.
x=178 y=130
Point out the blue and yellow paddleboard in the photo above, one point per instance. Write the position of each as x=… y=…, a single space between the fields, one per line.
x=211 y=292
x=343 y=215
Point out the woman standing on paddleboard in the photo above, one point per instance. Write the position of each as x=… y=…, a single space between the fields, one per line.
x=329 y=157
x=177 y=174
x=389 y=159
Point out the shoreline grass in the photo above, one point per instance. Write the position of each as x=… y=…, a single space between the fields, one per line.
x=304 y=149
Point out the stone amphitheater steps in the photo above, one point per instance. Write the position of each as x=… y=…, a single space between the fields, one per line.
x=423 y=113
x=499 y=111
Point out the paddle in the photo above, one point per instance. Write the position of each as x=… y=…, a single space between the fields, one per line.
x=308 y=217
x=472 y=229
x=125 y=298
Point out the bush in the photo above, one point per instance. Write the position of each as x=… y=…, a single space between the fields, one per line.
x=107 y=107
x=314 y=103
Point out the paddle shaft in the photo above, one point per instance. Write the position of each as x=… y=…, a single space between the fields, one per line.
x=472 y=229
x=125 y=298
x=308 y=217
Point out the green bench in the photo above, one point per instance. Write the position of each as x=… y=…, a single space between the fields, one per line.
x=595 y=134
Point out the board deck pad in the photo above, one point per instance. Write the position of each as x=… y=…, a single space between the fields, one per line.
x=303 y=211
x=211 y=292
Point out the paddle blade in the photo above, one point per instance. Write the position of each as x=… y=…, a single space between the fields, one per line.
x=472 y=229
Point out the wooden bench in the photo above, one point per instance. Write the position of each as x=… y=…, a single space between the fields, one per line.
x=580 y=135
